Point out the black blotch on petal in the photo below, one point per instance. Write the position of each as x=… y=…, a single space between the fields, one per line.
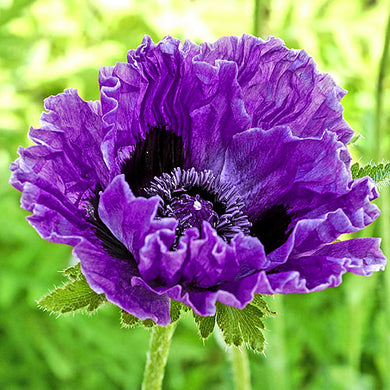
x=109 y=242
x=271 y=227
x=160 y=151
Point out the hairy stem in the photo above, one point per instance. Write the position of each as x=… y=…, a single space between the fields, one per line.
x=241 y=371
x=383 y=68
x=261 y=16
x=157 y=356
x=383 y=228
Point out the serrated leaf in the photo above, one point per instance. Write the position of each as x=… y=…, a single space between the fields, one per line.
x=73 y=273
x=175 y=310
x=205 y=325
x=72 y=296
x=380 y=173
x=148 y=323
x=355 y=170
x=244 y=326
x=128 y=320
x=261 y=304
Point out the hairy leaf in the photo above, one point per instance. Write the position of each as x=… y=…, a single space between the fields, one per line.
x=128 y=320
x=73 y=273
x=71 y=297
x=380 y=173
x=177 y=309
x=244 y=326
x=262 y=305
x=205 y=325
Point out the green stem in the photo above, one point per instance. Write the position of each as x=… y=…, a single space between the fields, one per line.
x=277 y=368
x=382 y=150
x=383 y=68
x=261 y=16
x=241 y=371
x=157 y=356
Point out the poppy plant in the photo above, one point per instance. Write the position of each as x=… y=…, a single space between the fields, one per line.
x=205 y=173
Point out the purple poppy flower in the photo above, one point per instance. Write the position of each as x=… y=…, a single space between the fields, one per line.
x=205 y=173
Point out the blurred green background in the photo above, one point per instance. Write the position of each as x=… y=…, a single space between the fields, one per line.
x=335 y=339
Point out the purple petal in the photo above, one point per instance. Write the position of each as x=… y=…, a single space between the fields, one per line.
x=113 y=277
x=211 y=261
x=324 y=267
x=158 y=262
x=353 y=213
x=307 y=176
x=282 y=168
x=67 y=156
x=282 y=86
x=54 y=217
x=202 y=260
x=362 y=256
x=130 y=219
x=162 y=85
x=236 y=293
x=348 y=213
x=190 y=273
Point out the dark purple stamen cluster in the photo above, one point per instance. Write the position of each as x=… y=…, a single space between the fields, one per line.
x=193 y=197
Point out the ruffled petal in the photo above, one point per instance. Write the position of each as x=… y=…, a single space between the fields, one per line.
x=130 y=218
x=161 y=86
x=113 y=277
x=298 y=192
x=282 y=86
x=362 y=256
x=356 y=204
x=191 y=273
x=67 y=156
x=236 y=293
x=311 y=234
x=202 y=260
x=158 y=263
x=323 y=268
x=54 y=217
x=281 y=167
x=349 y=213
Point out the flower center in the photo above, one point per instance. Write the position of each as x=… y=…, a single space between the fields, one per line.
x=192 y=197
x=191 y=211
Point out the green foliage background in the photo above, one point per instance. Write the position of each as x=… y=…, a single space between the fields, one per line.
x=335 y=339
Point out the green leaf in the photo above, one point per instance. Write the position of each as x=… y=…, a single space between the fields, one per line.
x=262 y=305
x=73 y=273
x=205 y=325
x=177 y=309
x=244 y=326
x=128 y=320
x=380 y=173
x=71 y=297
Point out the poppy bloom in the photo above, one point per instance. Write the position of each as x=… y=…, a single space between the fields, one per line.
x=205 y=173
